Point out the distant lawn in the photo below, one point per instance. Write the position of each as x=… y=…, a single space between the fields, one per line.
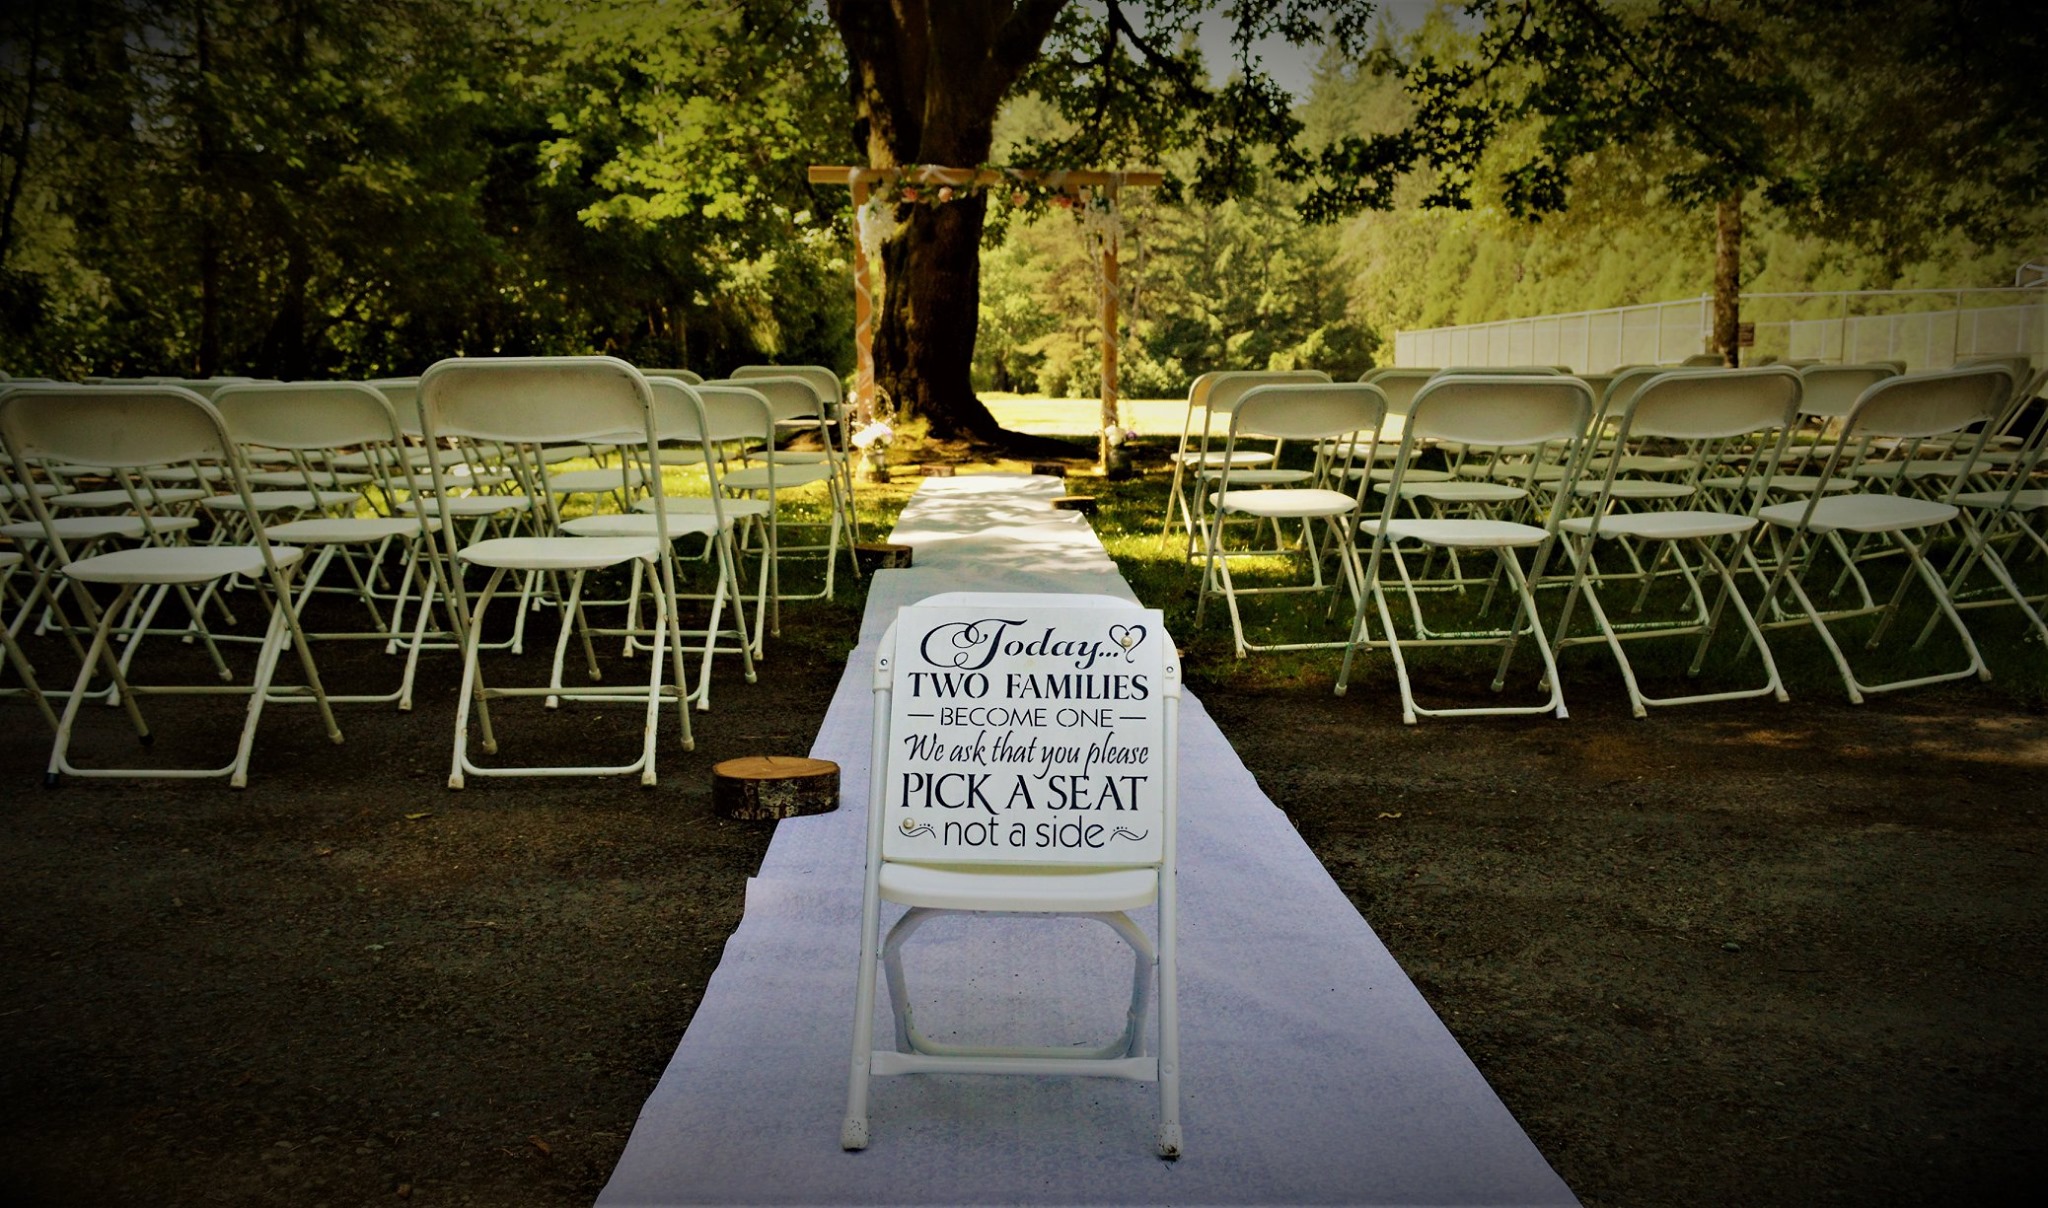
x=1044 y=416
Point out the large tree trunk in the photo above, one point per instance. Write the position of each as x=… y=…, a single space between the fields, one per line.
x=928 y=77
x=931 y=296
x=1728 y=279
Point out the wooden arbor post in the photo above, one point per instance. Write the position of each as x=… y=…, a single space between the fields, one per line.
x=862 y=180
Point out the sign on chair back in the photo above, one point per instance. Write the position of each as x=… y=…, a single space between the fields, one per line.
x=1024 y=762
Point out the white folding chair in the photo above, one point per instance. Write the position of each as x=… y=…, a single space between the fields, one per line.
x=832 y=434
x=1484 y=410
x=1910 y=408
x=539 y=400
x=329 y=418
x=2007 y=511
x=1347 y=416
x=935 y=861
x=1194 y=454
x=133 y=429
x=679 y=419
x=774 y=474
x=1713 y=414
x=13 y=611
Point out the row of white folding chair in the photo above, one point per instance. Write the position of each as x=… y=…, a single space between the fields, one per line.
x=526 y=401
x=1911 y=409
x=1345 y=420
x=774 y=474
x=130 y=430
x=2003 y=511
x=683 y=422
x=1213 y=397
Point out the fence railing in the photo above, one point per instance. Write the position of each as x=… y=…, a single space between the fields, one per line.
x=1925 y=328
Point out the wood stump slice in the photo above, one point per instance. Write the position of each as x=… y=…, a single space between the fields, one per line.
x=1084 y=504
x=757 y=788
x=883 y=555
x=1050 y=469
x=938 y=471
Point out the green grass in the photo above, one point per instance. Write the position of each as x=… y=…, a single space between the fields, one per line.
x=1129 y=521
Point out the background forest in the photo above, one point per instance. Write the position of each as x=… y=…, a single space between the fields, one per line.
x=298 y=188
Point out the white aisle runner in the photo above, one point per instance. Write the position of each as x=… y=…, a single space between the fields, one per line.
x=1313 y=1070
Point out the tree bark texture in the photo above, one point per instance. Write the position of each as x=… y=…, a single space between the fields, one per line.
x=761 y=788
x=928 y=77
x=1728 y=279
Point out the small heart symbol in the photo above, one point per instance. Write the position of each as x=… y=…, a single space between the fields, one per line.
x=1127 y=636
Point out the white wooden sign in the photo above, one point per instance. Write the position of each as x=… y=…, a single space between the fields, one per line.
x=1027 y=734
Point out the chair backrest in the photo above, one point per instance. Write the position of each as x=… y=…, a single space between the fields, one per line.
x=1832 y=390
x=1500 y=409
x=1621 y=388
x=404 y=396
x=1914 y=405
x=123 y=427
x=307 y=415
x=534 y=400
x=688 y=377
x=1399 y=386
x=735 y=413
x=821 y=378
x=1498 y=370
x=789 y=396
x=1230 y=385
x=120 y=428
x=1310 y=410
x=1713 y=404
x=1025 y=729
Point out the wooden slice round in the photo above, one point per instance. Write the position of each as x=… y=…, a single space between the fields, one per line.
x=756 y=788
x=883 y=555
x=1084 y=504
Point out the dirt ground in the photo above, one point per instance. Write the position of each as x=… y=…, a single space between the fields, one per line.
x=1748 y=954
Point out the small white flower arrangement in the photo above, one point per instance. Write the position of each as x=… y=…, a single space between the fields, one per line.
x=874 y=435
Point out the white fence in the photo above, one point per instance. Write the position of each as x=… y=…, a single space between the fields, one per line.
x=1927 y=329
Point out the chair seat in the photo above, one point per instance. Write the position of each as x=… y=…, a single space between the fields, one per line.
x=1386 y=474
x=1798 y=484
x=186 y=474
x=1462 y=532
x=559 y=553
x=1944 y=467
x=1285 y=501
x=586 y=482
x=1241 y=458
x=2031 y=500
x=1863 y=513
x=1636 y=488
x=612 y=524
x=279 y=501
x=122 y=499
x=93 y=528
x=556 y=454
x=1259 y=478
x=1521 y=471
x=470 y=506
x=699 y=505
x=1663 y=526
x=1459 y=491
x=289 y=478
x=755 y=478
x=1650 y=463
x=957 y=887
x=183 y=564
x=346 y=530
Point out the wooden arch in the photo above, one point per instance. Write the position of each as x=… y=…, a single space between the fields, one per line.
x=862 y=180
